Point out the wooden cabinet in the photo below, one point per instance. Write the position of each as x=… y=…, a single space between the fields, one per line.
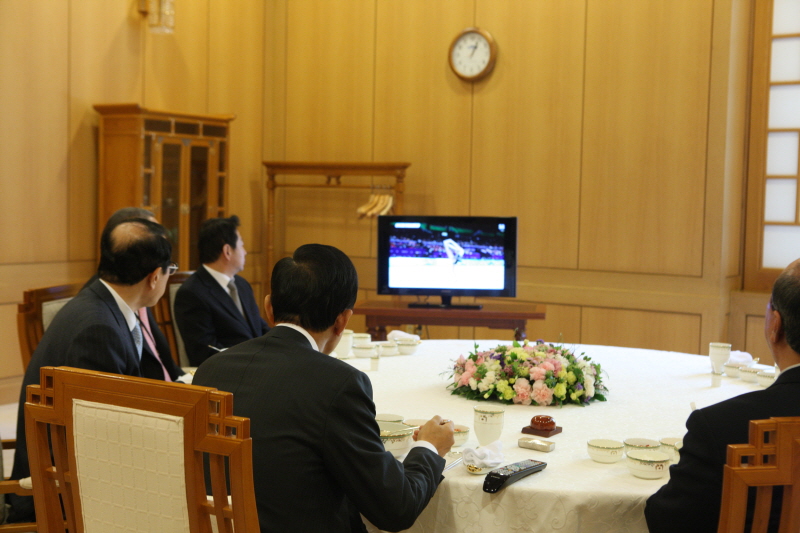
x=174 y=164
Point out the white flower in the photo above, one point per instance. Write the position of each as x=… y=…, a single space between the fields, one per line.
x=588 y=385
x=487 y=382
x=473 y=384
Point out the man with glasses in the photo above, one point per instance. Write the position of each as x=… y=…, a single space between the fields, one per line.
x=157 y=361
x=100 y=328
x=691 y=501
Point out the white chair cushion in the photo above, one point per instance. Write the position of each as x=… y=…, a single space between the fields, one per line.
x=130 y=469
x=49 y=310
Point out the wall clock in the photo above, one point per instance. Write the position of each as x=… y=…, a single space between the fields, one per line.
x=473 y=54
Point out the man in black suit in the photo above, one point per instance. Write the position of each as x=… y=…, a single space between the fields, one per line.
x=318 y=460
x=690 y=501
x=157 y=361
x=214 y=308
x=99 y=329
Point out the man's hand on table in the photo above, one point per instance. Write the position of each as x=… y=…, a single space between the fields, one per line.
x=438 y=432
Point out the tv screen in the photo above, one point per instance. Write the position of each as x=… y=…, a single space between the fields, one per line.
x=447 y=256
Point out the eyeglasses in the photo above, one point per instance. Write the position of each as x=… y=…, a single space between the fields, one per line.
x=172 y=268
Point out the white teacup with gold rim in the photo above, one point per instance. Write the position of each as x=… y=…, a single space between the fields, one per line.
x=605 y=450
x=488 y=423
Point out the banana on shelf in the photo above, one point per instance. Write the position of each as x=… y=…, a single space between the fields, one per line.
x=378 y=204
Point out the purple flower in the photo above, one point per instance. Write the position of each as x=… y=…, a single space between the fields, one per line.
x=578 y=386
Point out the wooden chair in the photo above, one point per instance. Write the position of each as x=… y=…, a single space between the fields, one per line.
x=35 y=313
x=772 y=458
x=127 y=455
x=164 y=312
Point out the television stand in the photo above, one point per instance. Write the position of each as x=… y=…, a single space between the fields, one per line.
x=428 y=305
x=493 y=315
x=447 y=303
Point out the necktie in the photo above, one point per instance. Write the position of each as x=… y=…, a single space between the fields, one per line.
x=235 y=295
x=145 y=320
x=137 y=338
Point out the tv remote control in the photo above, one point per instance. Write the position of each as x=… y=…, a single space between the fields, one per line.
x=506 y=475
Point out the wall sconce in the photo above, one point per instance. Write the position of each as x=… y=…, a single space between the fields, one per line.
x=160 y=15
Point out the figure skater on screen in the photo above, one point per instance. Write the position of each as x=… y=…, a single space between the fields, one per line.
x=453 y=250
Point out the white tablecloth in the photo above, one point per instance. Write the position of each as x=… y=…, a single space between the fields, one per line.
x=650 y=396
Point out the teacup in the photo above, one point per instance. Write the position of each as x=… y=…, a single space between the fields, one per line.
x=388 y=348
x=671 y=446
x=641 y=444
x=365 y=350
x=605 y=450
x=407 y=346
x=648 y=464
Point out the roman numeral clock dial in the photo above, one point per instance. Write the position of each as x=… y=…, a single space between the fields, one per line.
x=473 y=54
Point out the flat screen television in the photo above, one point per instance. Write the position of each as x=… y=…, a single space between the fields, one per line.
x=447 y=256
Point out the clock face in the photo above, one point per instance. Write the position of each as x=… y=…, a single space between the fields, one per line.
x=472 y=54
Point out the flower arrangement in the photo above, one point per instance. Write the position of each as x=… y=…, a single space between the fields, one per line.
x=540 y=373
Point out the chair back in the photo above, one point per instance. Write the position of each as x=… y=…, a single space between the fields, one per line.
x=165 y=311
x=127 y=455
x=772 y=458
x=35 y=313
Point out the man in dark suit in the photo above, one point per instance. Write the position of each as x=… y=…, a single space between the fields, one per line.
x=214 y=308
x=99 y=329
x=690 y=501
x=157 y=361
x=318 y=459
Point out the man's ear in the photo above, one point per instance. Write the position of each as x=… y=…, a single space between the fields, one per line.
x=154 y=277
x=775 y=327
x=227 y=251
x=268 y=310
x=341 y=321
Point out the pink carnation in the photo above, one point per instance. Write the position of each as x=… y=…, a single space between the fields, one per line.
x=541 y=394
x=556 y=364
x=548 y=365
x=538 y=373
x=523 y=389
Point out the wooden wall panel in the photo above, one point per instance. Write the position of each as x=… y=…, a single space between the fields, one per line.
x=34 y=146
x=236 y=86
x=563 y=324
x=642 y=329
x=527 y=127
x=755 y=343
x=11 y=361
x=645 y=123
x=330 y=82
x=176 y=76
x=422 y=110
x=105 y=66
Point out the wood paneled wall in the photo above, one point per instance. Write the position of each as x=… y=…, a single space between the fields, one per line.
x=59 y=58
x=612 y=128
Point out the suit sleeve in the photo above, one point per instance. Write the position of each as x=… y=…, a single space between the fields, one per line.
x=691 y=500
x=389 y=493
x=100 y=347
x=195 y=326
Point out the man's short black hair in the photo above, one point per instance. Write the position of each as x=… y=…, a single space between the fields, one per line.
x=786 y=301
x=313 y=287
x=131 y=250
x=214 y=234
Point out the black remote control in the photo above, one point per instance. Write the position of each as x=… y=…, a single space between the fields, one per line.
x=506 y=475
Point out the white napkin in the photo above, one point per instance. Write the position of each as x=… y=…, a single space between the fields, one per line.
x=488 y=456
x=397 y=334
x=740 y=357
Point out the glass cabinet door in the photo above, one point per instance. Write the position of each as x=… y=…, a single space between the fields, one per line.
x=170 y=214
x=198 y=198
